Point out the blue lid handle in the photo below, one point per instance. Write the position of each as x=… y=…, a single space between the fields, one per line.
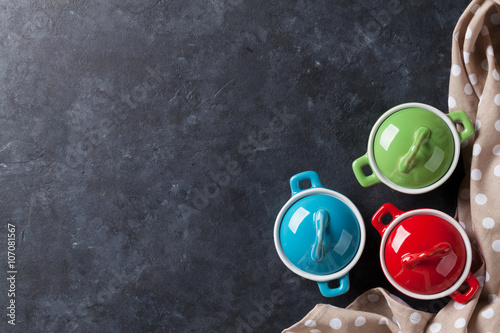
x=321 y=221
x=300 y=177
x=341 y=289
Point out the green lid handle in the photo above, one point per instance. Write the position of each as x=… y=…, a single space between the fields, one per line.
x=460 y=116
x=321 y=221
x=421 y=136
x=363 y=179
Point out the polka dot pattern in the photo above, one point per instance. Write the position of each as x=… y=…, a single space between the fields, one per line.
x=495 y=19
x=452 y=102
x=310 y=323
x=436 y=327
x=481 y=199
x=460 y=322
x=360 y=321
x=476 y=174
x=497 y=99
x=488 y=223
x=336 y=323
x=473 y=78
x=476 y=149
x=415 y=318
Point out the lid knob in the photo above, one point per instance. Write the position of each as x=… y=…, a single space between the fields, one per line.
x=321 y=222
x=410 y=261
x=422 y=134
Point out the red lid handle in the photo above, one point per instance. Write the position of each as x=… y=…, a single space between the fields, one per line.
x=412 y=260
x=470 y=293
x=386 y=209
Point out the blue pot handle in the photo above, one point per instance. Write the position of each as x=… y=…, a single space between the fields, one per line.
x=341 y=289
x=300 y=177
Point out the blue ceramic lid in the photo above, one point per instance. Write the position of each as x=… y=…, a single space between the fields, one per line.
x=320 y=234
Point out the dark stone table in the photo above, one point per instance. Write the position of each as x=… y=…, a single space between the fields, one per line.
x=146 y=149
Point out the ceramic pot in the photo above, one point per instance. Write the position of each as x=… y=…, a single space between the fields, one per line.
x=413 y=148
x=425 y=254
x=319 y=234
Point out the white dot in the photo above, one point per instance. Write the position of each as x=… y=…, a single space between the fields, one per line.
x=496 y=245
x=360 y=321
x=496 y=150
x=473 y=79
x=480 y=199
x=383 y=321
x=373 y=298
x=476 y=149
x=460 y=323
x=484 y=65
x=458 y=306
x=468 y=89
x=480 y=100
x=436 y=327
x=477 y=124
x=456 y=35
x=497 y=99
x=310 y=323
x=492 y=298
x=495 y=74
x=456 y=70
x=466 y=57
x=475 y=9
x=415 y=318
x=476 y=174
x=336 y=323
x=465 y=194
x=489 y=50
x=496 y=171
x=488 y=313
x=481 y=280
x=495 y=19
x=314 y=330
x=395 y=321
x=468 y=33
x=484 y=30
x=462 y=224
x=488 y=223
x=497 y=125
x=487 y=278
x=451 y=102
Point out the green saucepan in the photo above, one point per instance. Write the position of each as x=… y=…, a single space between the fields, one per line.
x=413 y=148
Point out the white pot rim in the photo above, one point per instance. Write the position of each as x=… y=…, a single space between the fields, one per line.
x=399 y=188
x=465 y=238
x=295 y=269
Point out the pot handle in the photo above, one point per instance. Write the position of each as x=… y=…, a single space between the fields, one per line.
x=341 y=289
x=363 y=179
x=321 y=221
x=470 y=293
x=300 y=177
x=461 y=116
x=387 y=208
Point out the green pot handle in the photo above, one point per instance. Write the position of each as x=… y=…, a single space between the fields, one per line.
x=363 y=179
x=461 y=116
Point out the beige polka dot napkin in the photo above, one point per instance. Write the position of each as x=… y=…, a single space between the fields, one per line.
x=474 y=88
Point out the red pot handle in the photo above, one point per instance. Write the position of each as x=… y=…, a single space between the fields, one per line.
x=469 y=294
x=412 y=260
x=388 y=208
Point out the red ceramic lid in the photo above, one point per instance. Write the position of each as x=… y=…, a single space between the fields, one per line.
x=425 y=254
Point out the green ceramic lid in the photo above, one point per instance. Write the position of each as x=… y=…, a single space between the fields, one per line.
x=413 y=148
